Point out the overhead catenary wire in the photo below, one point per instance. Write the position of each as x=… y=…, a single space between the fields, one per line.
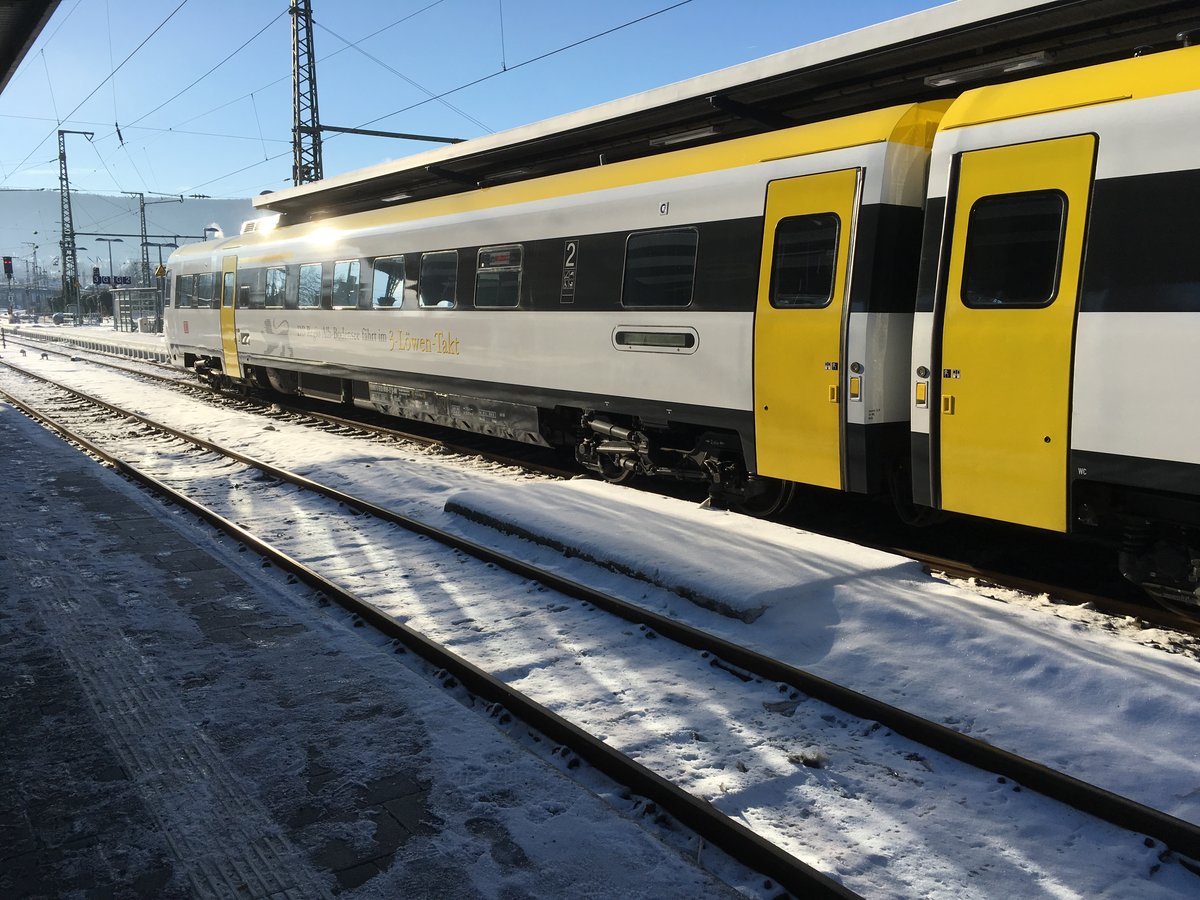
x=196 y=81
x=212 y=134
x=530 y=61
x=113 y=82
x=50 y=88
x=103 y=82
x=129 y=159
x=420 y=87
x=503 y=54
x=454 y=90
x=258 y=122
x=279 y=80
x=105 y=164
x=262 y=139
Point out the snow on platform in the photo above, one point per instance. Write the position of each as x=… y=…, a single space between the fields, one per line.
x=103 y=338
x=172 y=727
x=1077 y=691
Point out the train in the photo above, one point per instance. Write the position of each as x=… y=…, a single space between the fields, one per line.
x=986 y=305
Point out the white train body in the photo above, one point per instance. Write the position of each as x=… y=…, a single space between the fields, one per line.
x=993 y=299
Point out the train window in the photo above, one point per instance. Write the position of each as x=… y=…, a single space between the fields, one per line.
x=345 y=284
x=204 y=290
x=387 y=287
x=276 y=287
x=183 y=292
x=309 y=286
x=439 y=279
x=252 y=288
x=805 y=264
x=660 y=268
x=1014 y=249
x=498 y=276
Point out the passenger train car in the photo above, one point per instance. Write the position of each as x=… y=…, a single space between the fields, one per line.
x=985 y=304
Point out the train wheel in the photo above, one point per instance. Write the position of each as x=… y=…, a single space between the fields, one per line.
x=773 y=496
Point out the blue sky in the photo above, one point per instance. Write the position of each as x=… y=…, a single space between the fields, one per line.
x=229 y=134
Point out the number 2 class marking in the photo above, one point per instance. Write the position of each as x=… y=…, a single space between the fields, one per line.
x=570 y=257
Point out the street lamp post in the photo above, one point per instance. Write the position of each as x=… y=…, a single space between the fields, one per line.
x=112 y=282
x=161 y=281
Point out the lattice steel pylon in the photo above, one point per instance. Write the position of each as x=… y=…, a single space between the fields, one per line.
x=70 y=267
x=144 y=280
x=306 y=122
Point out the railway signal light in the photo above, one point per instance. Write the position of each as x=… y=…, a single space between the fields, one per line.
x=8 y=266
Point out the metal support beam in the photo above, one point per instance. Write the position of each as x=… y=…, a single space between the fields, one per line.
x=144 y=281
x=393 y=134
x=306 y=128
x=142 y=203
x=70 y=266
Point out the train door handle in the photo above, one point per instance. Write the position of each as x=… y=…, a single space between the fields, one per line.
x=833 y=393
x=243 y=337
x=948 y=404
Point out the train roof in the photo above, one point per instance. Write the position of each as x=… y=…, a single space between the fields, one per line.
x=928 y=55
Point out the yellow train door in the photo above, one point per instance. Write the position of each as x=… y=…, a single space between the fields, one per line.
x=799 y=326
x=229 y=338
x=1011 y=295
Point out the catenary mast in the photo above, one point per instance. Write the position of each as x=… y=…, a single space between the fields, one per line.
x=70 y=268
x=306 y=122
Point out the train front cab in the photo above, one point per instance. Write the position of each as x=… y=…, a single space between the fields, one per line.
x=833 y=316
x=1037 y=360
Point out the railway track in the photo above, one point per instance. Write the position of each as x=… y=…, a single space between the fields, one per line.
x=719 y=656
x=365 y=423
x=1113 y=602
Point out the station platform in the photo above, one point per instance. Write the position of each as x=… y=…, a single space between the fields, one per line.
x=103 y=338
x=177 y=723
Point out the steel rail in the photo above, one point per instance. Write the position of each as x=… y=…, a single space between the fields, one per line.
x=1162 y=615
x=735 y=839
x=1179 y=835
x=318 y=415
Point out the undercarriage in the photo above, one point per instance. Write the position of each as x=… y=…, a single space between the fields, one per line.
x=618 y=452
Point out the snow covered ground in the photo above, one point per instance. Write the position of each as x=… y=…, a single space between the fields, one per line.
x=1103 y=700
x=249 y=733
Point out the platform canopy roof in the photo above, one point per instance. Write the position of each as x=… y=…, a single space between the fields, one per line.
x=21 y=21
x=928 y=55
